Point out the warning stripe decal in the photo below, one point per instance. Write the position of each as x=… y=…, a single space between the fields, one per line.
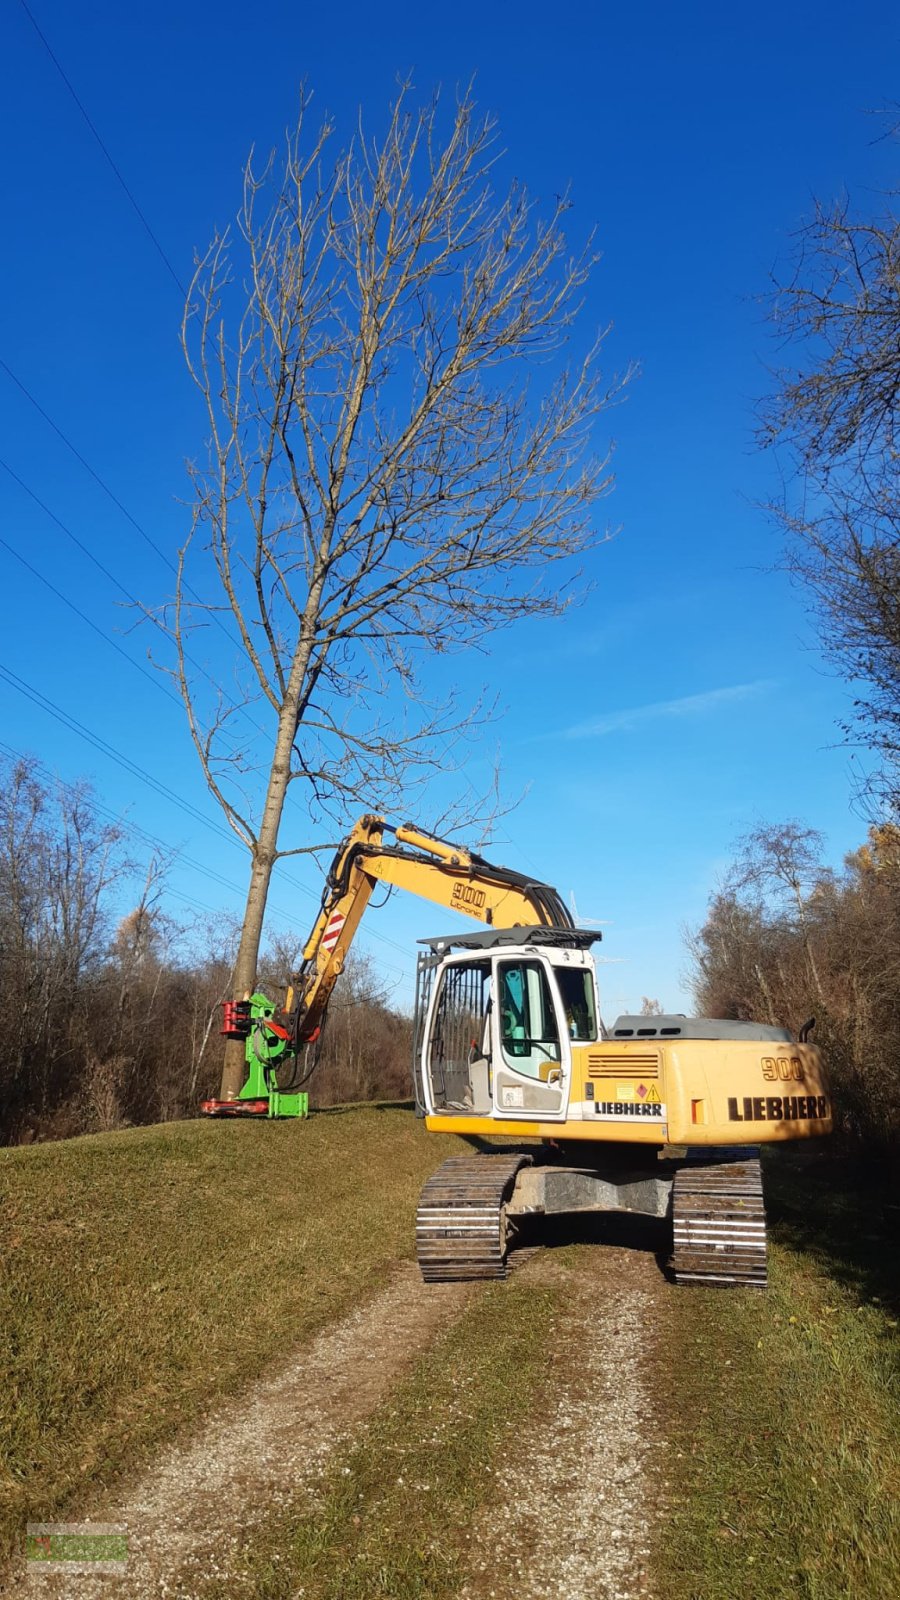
x=333 y=930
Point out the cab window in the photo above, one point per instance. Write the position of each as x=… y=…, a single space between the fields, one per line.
x=529 y=1036
x=576 y=988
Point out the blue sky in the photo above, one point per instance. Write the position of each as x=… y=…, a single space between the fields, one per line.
x=684 y=700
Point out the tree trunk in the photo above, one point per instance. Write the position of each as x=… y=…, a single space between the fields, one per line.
x=265 y=853
x=234 y=1065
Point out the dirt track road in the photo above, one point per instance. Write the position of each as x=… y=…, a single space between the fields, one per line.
x=565 y=1516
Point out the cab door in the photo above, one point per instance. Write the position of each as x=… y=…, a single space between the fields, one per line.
x=531 y=1053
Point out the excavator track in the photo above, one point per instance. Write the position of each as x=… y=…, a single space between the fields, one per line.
x=461 y=1228
x=719 y=1224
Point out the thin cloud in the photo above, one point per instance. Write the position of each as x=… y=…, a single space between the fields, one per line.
x=690 y=705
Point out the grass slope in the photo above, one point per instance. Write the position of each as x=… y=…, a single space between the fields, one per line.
x=151 y=1271
x=785 y=1433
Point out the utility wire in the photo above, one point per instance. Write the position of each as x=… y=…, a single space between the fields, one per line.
x=117 y=584
x=92 y=471
x=111 y=495
x=85 y=549
x=118 y=756
x=132 y=599
x=185 y=805
x=144 y=837
x=31 y=762
x=143 y=834
x=119 y=178
x=107 y=638
x=67 y=442
x=101 y=744
x=87 y=466
x=74 y=726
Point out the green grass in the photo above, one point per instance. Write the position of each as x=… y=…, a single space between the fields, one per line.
x=395 y=1510
x=152 y=1271
x=785 y=1423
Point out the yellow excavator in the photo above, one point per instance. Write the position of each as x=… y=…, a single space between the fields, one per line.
x=659 y=1115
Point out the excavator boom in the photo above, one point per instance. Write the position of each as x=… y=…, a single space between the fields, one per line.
x=422 y=864
x=419 y=863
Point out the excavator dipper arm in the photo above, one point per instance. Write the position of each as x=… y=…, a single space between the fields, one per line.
x=422 y=864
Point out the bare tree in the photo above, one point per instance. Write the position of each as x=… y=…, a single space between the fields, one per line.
x=781 y=862
x=58 y=862
x=399 y=465
x=836 y=411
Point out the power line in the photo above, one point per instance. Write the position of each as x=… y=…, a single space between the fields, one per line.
x=107 y=639
x=32 y=763
x=101 y=744
x=208 y=872
x=111 y=495
x=197 y=866
x=26 y=689
x=85 y=549
x=55 y=425
x=92 y=471
x=74 y=726
x=143 y=834
x=55 y=711
x=68 y=83
x=123 y=589
x=135 y=602
x=95 y=739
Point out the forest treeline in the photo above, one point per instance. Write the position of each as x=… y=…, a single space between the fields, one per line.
x=112 y=1016
x=787 y=938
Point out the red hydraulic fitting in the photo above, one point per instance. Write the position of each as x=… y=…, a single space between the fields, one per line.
x=236 y=1019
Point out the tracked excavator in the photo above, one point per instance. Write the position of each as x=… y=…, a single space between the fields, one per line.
x=659 y=1116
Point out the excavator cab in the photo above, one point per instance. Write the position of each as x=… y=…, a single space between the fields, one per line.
x=496 y=1016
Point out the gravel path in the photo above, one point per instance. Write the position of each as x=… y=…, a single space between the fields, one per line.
x=567 y=1516
x=258 y=1452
